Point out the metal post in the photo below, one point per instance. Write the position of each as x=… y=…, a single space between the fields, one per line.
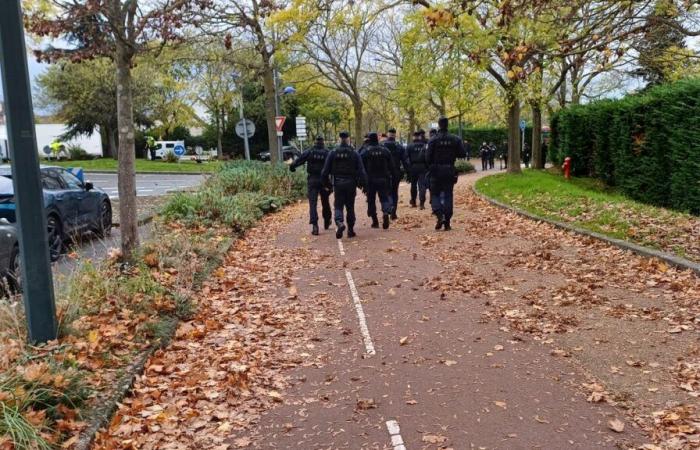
x=33 y=242
x=277 y=113
x=245 y=129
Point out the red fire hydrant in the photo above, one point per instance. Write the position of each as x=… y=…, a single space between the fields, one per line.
x=567 y=167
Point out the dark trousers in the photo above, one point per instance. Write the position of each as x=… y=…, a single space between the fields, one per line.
x=484 y=163
x=441 y=197
x=492 y=162
x=419 y=184
x=378 y=187
x=314 y=190
x=395 y=194
x=344 y=201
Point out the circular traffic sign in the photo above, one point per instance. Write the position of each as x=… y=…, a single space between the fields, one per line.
x=243 y=126
x=179 y=150
x=199 y=150
x=523 y=124
x=46 y=150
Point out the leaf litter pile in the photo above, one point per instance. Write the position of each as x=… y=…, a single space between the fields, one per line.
x=631 y=323
x=226 y=365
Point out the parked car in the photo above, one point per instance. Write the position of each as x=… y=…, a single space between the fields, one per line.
x=72 y=206
x=289 y=153
x=9 y=255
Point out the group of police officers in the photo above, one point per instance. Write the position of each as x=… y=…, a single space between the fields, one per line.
x=378 y=168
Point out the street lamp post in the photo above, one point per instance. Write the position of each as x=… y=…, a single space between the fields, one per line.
x=241 y=113
x=37 y=282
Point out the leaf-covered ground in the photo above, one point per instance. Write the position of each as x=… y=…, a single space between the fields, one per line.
x=587 y=203
x=503 y=333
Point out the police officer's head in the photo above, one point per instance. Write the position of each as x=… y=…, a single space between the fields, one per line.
x=433 y=132
x=372 y=138
x=443 y=123
x=421 y=134
x=344 y=138
x=319 y=141
x=391 y=133
x=416 y=136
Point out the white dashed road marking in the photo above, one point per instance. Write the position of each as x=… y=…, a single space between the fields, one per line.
x=369 y=347
x=395 y=433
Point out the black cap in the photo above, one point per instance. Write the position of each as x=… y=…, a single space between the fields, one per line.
x=420 y=131
x=344 y=135
x=442 y=122
x=416 y=133
x=391 y=130
x=319 y=138
x=373 y=138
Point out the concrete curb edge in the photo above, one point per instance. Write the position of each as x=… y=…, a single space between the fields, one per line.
x=114 y=172
x=673 y=260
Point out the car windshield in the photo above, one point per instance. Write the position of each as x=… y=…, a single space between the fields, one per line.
x=6 y=187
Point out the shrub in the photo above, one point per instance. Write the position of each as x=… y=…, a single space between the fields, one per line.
x=170 y=157
x=648 y=144
x=77 y=153
x=464 y=166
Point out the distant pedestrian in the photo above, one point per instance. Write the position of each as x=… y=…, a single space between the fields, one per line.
x=441 y=154
x=315 y=159
x=417 y=168
x=526 y=155
x=492 y=155
x=398 y=155
x=484 y=155
x=345 y=166
x=380 y=171
x=468 y=149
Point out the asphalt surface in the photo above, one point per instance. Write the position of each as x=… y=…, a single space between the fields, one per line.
x=147 y=184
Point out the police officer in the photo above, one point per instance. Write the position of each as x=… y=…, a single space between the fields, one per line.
x=492 y=155
x=151 y=147
x=415 y=152
x=345 y=166
x=398 y=155
x=380 y=171
x=315 y=158
x=484 y=155
x=441 y=154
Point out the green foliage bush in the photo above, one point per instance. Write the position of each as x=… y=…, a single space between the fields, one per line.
x=464 y=166
x=77 y=153
x=170 y=157
x=237 y=196
x=648 y=144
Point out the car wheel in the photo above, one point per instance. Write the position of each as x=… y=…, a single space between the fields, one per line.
x=56 y=238
x=104 y=224
x=15 y=272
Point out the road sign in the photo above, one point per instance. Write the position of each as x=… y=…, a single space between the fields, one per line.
x=199 y=150
x=523 y=124
x=46 y=150
x=279 y=123
x=179 y=150
x=301 y=127
x=243 y=126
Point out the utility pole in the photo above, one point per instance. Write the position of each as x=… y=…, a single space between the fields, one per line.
x=37 y=280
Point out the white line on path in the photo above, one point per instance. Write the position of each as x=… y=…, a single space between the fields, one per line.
x=340 y=247
x=360 y=315
x=395 y=433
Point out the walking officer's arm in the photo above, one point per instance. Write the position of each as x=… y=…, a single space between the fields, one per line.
x=461 y=151
x=300 y=160
x=362 y=174
x=327 y=165
x=429 y=153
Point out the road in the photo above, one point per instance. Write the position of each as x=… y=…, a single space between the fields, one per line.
x=147 y=184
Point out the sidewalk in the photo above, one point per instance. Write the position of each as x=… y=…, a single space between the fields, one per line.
x=500 y=334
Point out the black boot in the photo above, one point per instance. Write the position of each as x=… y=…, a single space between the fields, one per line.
x=385 y=221
x=375 y=221
x=447 y=225
x=326 y=223
x=340 y=230
x=314 y=229
x=351 y=232
x=422 y=206
x=440 y=221
x=394 y=216
x=413 y=203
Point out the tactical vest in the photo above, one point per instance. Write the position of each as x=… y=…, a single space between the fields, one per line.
x=344 y=164
x=395 y=151
x=416 y=154
x=316 y=160
x=444 y=151
x=376 y=162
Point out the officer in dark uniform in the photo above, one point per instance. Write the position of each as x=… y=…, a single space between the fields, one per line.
x=398 y=155
x=415 y=153
x=347 y=170
x=441 y=154
x=484 y=155
x=492 y=155
x=315 y=158
x=380 y=171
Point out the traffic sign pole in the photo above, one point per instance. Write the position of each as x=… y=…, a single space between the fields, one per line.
x=37 y=281
x=245 y=129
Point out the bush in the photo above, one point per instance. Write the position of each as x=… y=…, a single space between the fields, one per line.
x=648 y=145
x=464 y=166
x=237 y=196
x=170 y=157
x=77 y=153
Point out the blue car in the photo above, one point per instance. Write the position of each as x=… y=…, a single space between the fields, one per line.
x=72 y=206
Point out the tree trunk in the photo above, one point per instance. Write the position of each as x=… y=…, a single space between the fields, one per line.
x=113 y=143
x=513 y=133
x=270 y=113
x=219 y=134
x=412 y=125
x=537 y=162
x=357 y=108
x=126 y=180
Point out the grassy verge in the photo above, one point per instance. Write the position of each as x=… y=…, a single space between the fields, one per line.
x=142 y=165
x=110 y=313
x=589 y=204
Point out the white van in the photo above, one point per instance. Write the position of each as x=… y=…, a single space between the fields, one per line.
x=164 y=147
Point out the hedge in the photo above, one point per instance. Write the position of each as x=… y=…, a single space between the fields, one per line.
x=648 y=145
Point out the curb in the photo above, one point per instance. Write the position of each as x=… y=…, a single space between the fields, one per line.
x=140 y=222
x=673 y=260
x=114 y=172
x=101 y=415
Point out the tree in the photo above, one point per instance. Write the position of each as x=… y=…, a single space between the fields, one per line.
x=120 y=30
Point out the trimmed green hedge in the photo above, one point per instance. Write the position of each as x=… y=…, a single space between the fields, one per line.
x=648 y=144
